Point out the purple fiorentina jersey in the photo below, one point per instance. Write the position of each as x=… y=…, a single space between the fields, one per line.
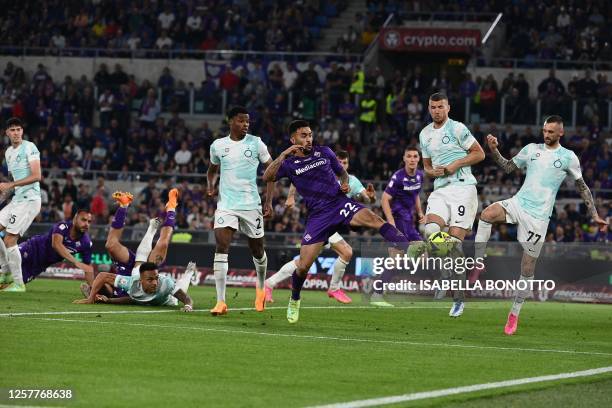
x=405 y=190
x=37 y=253
x=314 y=177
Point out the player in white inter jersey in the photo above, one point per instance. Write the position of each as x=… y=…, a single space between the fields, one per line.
x=345 y=252
x=236 y=157
x=23 y=162
x=546 y=166
x=449 y=149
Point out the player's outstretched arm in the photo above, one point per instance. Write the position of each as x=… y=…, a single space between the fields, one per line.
x=343 y=177
x=186 y=299
x=290 y=201
x=507 y=165
x=57 y=243
x=587 y=197
x=268 y=211
x=124 y=300
x=419 y=210
x=103 y=278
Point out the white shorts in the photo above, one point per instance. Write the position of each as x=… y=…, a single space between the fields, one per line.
x=334 y=239
x=17 y=217
x=457 y=205
x=249 y=222
x=531 y=231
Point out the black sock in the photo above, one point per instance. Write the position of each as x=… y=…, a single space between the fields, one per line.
x=297 y=282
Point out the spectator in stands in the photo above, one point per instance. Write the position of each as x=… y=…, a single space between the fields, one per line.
x=149 y=110
x=183 y=155
x=105 y=107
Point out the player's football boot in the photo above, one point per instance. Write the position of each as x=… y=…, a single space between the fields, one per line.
x=339 y=295
x=260 y=300
x=15 y=287
x=457 y=309
x=511 y=324
x=268 y=291
x=173 y=196
x=378 y=301
x=219 y=309
x=6 y=278
x=475 y=274
x=293 y=311
x=123 y=199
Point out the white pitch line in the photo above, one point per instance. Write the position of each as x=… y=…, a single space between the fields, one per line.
x=327 y=338
x=463 y=390
x=81 y=312
x=28 y=406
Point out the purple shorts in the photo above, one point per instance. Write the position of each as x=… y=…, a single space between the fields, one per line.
x=406 y=226
x=324 y=223
x=125 y=269
x=30 y=265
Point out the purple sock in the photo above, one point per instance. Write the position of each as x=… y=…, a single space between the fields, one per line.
x=119 y=218
x=296 y=285
x=170 y=219
x=394 y=236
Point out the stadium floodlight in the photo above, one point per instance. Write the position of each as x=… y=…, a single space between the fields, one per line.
x=486 y=37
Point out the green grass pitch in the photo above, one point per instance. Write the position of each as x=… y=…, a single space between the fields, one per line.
x=333 y=354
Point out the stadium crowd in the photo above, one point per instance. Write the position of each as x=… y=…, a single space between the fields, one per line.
x=77 y=132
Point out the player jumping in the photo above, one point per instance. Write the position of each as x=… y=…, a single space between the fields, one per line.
x=313 y=170
x=345 y=252
x=449 y=149
x=236 y=157
x=23 y=162
x=546 y=165
x=63 y=241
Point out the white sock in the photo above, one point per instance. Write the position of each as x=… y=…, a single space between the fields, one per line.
x=521 y=295
x=3 y=259
x=483 y=233
x=14 y=261
x=146 y=244
x=220 y=268
x=261 y=267
x=337 y=274
x=283 y=273
x=184 y=281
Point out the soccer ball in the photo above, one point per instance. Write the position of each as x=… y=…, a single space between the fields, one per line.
x=440 y=243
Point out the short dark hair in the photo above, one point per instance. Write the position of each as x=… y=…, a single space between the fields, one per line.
x=14 y=122
x=342 y=154
x=554 y=119
x=236 y=110
x=148 y=266
x=80 y=210
x=297 y=124
x=438 y=96
x=412 y=149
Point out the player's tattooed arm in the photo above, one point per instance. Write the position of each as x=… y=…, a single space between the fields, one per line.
x=290 y=201
x=185 y=299
x=272 y=169
x=344 y=181
x=507 y=165
x=103 y=278
x=587 y=197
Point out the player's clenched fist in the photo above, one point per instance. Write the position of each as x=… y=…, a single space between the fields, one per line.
x=492 y=142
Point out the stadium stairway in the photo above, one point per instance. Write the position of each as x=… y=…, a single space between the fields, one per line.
x=340 y=25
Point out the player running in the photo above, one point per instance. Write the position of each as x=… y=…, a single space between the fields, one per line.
x=449 y=149
x=145 y=286
x=345 y=252
x=546 y=165
x=313 y=170
x=401 y=197
x=123 y=258
x=64 y=240
x=23 y=162
x=236 y=157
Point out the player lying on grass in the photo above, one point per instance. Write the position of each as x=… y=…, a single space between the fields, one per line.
x=546 y=167
x=345 y=252
x=144 y=287
x=124 y=259
x=314 y=171
x=63 y=241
